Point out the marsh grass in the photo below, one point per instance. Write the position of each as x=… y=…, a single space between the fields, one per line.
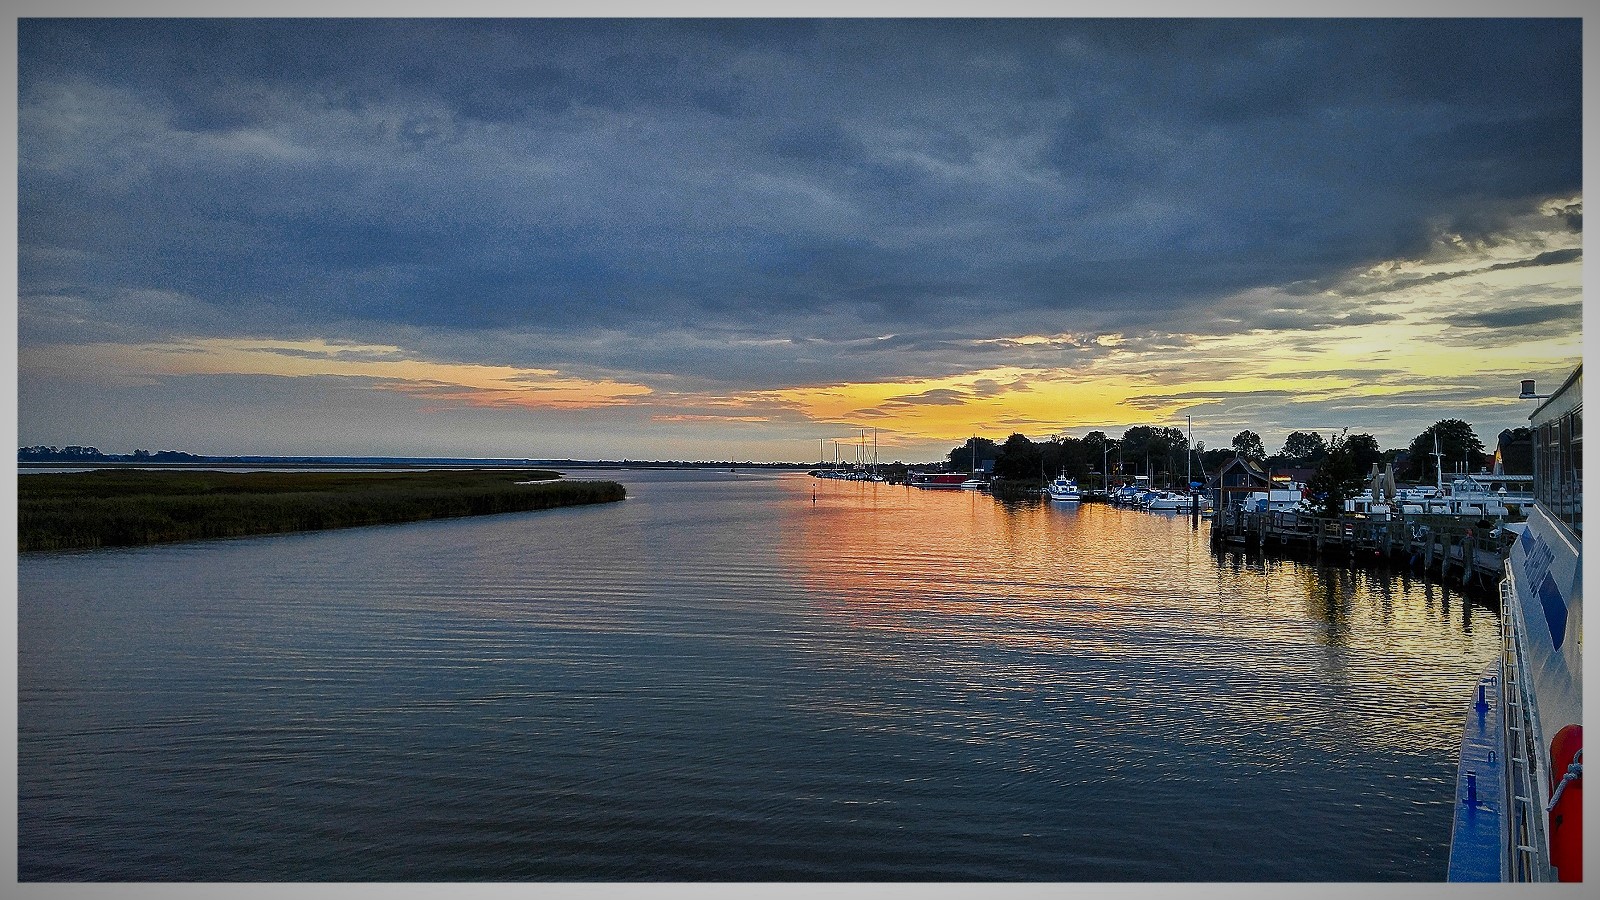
x=120 y=508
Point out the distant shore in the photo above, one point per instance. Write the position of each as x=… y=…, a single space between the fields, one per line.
x=123 y=506
x=90 y=457
x=337 y=463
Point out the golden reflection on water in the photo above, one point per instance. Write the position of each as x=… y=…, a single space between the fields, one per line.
x=719 y=665
x=1351 y=656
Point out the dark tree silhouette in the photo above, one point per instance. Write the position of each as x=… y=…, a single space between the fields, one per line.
x=1457 y=442
x=1304 y=448
x=1339 y=477
x=1248 y=444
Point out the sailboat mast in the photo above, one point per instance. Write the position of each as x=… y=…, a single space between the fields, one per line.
x=1438 y=461
x=1188 y=460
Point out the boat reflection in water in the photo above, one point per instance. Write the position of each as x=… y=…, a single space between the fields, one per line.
x=721 y=679
x=1106 y=623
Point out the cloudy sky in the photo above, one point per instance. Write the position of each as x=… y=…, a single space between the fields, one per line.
x=737 y=239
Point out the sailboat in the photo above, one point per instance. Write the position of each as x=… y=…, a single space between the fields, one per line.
x=974 y=483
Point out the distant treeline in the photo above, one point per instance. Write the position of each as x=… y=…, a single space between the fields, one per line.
x=118 y=507
x=92 y=454
x=1164 y=454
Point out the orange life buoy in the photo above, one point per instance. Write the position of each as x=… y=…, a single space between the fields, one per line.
x=1566 y=812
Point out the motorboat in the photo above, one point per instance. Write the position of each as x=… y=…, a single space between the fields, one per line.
x=1064 y=489
x=938 y=480
x=1169 y=501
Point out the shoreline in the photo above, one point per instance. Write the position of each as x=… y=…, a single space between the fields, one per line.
x=127 y=507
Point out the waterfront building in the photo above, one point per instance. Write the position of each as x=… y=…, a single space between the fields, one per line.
x=1237 y=479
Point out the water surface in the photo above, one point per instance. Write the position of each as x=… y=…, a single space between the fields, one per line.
x=722 y=678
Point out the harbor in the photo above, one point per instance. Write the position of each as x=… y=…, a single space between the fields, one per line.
x=1469 y=554
x=1510 y=541
x=1032 y=449
x=708 y=681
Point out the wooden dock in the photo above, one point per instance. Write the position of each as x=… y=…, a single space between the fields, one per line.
x=1461 y=553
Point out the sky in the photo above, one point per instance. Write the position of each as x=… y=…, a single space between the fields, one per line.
x=750 y=239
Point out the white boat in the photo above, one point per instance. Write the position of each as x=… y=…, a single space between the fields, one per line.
x=1160 y=500
x=974 y=484
x=1131 y=494
x=1170 y=501
x=939 y=480
x=1519 y=790
x=1064 y=489
x=1482 y=496
x=1274 y=500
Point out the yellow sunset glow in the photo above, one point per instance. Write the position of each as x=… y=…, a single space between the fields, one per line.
x=1419 y=342
x=1384 y=335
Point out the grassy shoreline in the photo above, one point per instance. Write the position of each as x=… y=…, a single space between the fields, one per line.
x=125 y=508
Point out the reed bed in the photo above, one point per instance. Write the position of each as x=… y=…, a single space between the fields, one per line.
x=121 y=508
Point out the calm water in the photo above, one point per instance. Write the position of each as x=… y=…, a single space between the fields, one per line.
x=722 y=680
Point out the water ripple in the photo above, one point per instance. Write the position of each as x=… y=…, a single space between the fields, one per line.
x=721 y=680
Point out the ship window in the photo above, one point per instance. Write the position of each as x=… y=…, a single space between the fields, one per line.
x=1558 y=468
x=1566 y=470
x=1573 y=427
x=1544 y=450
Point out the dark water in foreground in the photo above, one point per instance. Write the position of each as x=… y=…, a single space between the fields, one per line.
x=720 y=680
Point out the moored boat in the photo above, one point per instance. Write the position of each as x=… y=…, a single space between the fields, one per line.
x=1064 y=489
x=1519 y=795
x=940 y=480
x=1170 y=501
x=1479 y=496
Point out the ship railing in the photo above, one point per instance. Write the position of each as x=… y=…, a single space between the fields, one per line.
x=1526 y=850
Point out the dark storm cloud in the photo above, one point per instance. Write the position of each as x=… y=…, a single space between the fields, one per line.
x=1530 y=322
x=1547 y=258
x=823 y=183
x=933 y=397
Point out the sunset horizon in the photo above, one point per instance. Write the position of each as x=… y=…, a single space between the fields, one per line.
x=735 y=239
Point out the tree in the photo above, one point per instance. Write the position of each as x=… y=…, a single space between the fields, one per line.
x=970 y=455
x=1135 y=446
x=1458 y=444
x=1215 y=458
x=1019 y=459
x=1073 y=456
x=1175 y=446
x=1100 y=454
x=1339 y=477
x=1304 y=448
x=1363 y=449
x=1159 y=449
x=1248 y=445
